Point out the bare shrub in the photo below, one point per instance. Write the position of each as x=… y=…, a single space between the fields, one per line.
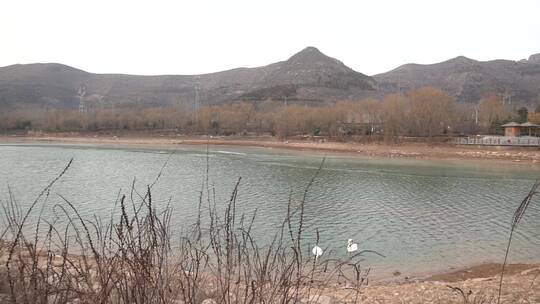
x=131 y=258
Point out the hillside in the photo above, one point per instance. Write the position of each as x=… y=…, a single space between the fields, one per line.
x=308 y=76
x=467 y=79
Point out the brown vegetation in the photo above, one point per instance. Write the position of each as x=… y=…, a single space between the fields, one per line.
x=424 y=112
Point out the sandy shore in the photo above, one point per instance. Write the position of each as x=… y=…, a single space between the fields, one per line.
x=406 y=150
x=479 y=284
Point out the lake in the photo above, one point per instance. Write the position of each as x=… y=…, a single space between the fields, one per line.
x=423 y=216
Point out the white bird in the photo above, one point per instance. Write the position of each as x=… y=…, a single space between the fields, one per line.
x=351 y=247
x=317 y=251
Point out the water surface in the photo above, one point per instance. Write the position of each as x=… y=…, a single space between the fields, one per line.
x=424 y=216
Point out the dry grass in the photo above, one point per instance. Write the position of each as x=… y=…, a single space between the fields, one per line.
x=130 y=257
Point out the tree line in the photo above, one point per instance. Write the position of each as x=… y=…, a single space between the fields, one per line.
x=426 y=112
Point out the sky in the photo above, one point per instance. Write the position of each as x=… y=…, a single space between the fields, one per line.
x=195 y=37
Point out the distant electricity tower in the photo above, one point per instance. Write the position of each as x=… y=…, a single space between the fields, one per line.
x=81 y=94
x=196 y=104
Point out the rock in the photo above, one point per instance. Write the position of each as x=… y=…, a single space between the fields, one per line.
x=57 y=261
x=5 y=298
x=481 y=279
x=529 y=271
x=52 y=299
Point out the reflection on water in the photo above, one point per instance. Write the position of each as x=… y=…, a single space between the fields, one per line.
x=422 y=215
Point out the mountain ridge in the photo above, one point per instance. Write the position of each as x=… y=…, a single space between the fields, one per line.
x=467 y=79
x=309 y=76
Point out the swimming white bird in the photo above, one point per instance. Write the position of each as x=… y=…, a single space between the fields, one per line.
x=351 y=247
x=317 y=251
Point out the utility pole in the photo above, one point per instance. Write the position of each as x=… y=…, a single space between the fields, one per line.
x=506 y=97
x=196 y=105
x=286 y=118
x=81 y=94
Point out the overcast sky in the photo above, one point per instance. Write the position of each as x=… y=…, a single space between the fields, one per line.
x=191 y=37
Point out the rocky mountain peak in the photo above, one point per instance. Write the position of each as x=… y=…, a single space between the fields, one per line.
x=312 y=56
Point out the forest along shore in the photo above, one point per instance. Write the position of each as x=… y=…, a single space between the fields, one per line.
x=526 y=155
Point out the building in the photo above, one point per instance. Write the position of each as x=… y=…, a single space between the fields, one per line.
x=514 y=129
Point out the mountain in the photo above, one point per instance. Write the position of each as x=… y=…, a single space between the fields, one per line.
x=467 y=79
x=534 y=58
x=308 y=76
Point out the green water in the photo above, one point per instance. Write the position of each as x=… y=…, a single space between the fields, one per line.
x=424 y=216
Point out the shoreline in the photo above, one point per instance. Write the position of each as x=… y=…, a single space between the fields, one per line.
x=473 y=271
x=421 y=151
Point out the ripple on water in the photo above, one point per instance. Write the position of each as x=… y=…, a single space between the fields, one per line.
x=422 y=216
